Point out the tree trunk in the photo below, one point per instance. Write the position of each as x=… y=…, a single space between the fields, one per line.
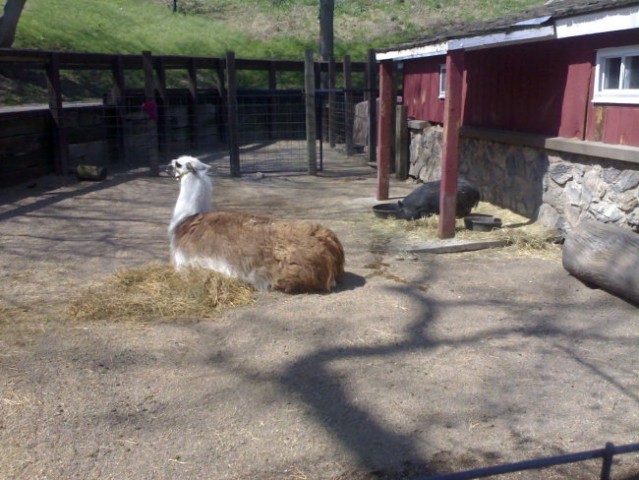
x=605 y=256
x=9 y=22
x=327 y=8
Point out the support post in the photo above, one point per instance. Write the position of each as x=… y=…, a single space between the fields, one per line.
x=348 y=106
x=60 y=145
x=309 y=94
x=385 y=128
x=233 y=120
x=150 y=107
x=401 y=142
x=371 y=70
x=450 y=148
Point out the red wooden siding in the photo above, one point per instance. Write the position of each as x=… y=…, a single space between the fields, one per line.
x=421 y=89
x=613 y=123
x=535 y=88
x=543 y=87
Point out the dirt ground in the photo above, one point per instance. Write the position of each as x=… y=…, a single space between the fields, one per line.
x=417 y=364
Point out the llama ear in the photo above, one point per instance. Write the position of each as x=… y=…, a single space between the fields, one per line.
x=191 y=168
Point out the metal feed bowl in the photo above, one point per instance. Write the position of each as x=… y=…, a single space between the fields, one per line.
x=482 y=223
x=386 y=210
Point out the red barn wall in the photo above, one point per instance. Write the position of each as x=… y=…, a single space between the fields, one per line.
x=543 y=88
x=421 y=89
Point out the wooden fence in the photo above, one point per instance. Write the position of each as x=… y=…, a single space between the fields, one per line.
x=40 y=139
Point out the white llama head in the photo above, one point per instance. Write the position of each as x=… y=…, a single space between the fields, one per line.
x=196 y=188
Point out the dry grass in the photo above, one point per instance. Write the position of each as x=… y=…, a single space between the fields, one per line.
x=522 y=236
x=160 y=292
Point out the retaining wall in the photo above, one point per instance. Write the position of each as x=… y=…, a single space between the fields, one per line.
x=554 y=187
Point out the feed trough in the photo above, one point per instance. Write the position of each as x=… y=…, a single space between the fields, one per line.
x=386 y=210
x=482 y=223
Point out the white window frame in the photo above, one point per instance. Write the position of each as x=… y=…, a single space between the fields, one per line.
x=621 y=94
x=442 y=80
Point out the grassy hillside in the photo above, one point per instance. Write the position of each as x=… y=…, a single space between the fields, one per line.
x=252 y=28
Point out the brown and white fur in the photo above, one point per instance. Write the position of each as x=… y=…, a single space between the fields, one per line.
x=290 y=256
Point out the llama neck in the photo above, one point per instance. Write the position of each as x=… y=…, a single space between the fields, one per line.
x=195 y=197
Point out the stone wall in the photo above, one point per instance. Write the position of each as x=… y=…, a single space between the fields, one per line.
x=556 y=188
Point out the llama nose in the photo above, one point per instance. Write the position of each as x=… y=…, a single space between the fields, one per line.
x=169 y=169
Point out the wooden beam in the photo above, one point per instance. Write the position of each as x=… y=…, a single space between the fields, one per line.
x=385 y=129
x=450 y=147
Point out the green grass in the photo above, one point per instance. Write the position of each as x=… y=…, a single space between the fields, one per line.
x=270 y=29
x=251 y=28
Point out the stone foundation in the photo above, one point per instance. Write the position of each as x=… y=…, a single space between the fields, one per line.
x=556 y=188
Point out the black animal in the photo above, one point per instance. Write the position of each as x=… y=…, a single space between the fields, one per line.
x=424 y=200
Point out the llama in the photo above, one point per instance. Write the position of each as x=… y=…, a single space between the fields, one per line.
x=270 y=254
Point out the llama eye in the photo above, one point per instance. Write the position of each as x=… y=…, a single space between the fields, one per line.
x=178 y=165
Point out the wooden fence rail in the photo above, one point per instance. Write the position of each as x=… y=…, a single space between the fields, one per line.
x=153 y=68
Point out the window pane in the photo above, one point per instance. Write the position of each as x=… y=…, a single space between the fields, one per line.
x=611 y=72
x=442 y=81
x=632 y=72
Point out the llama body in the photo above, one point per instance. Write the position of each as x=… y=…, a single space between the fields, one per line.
x=290 y=256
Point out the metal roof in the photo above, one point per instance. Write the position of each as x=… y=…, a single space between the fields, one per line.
x=532 y=18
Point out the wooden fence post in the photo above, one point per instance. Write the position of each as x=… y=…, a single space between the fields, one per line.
x=150 y=108
x=163 y=110
x=119 y=106
x=272 y=110
x=348 y=106
x=60 y=145
x=401 y=142
x=309 y=90
x=332 y=127
x=194 y=121
x=233 y=120
x=222 y=114
x=371 y=70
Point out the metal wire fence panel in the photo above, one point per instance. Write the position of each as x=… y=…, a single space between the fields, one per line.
x=134 y=111
x=340 y=125
x=272 y=130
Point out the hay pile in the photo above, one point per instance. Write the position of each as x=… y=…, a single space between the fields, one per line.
x=160 y=292
x=521 y=235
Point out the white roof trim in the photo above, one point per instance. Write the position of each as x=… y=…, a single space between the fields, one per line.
x=430 y=50
x=598 y=22
x=502 y=38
